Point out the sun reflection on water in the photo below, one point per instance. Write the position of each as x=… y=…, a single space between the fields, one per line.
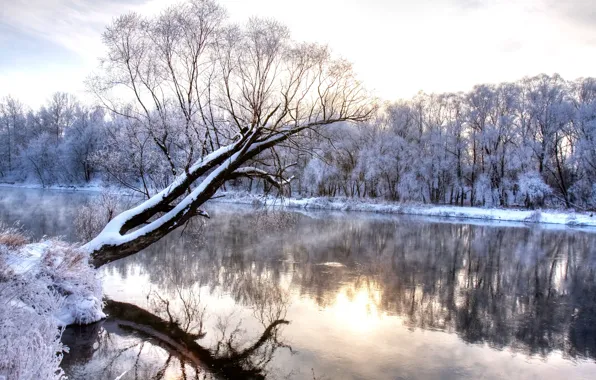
x=358 y=306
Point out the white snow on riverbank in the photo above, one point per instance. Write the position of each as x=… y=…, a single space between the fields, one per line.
x=63 y=268
x=558 y=217
x=93 y=187
x=569 y=218
x=44 y=285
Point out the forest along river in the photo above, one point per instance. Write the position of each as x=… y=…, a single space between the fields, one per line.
x=289 y=294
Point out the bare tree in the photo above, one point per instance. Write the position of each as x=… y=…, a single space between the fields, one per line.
x=12 y=122
x=229 y=94
x=59 y=114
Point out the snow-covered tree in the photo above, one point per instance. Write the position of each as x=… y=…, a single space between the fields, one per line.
x=254 y=88
x=12 y=130
x=532 y=189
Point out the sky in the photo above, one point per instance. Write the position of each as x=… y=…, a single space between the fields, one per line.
x=398 y=47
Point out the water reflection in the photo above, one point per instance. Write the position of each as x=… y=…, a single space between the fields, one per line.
x=528 y=289
x=367 y=297
x=136 y=343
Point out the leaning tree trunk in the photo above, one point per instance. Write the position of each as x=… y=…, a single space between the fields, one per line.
x=141 y=226
x=267 y=90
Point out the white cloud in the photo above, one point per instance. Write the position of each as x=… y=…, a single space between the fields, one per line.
x=398 y=48
x=35 y=88
x=75 y=25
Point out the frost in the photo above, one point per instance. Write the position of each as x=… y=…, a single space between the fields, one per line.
x=71 y=276
x=569 y=218
x=533 y=189
x=43 y=286
x=30 y=346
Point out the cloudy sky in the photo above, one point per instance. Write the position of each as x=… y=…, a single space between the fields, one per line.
x=398 y=47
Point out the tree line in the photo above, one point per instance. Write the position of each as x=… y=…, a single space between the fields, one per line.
x=525 y=143
x=529 y=143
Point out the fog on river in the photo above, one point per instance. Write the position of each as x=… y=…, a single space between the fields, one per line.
x=288 y=294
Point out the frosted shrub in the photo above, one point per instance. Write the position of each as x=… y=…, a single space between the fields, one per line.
x=30 y=346
x=532 y=189
x=409 y=188
x=92 y=217
x=43 y=286
x=12 y=237
x=41 y=159
x=484 y=193
x=74 y=279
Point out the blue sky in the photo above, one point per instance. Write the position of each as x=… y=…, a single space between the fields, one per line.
x=398 y=47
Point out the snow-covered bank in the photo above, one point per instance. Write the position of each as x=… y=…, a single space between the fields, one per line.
x=64 y=269
x=547 y=216
x=569 y=218
x=94 y=187
x=43 y=286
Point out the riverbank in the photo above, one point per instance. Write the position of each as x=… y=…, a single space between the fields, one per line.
x=545 y=216
x=44 y=286
x=95 y=187
x=568 y=218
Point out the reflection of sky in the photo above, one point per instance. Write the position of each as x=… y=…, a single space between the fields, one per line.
x=367 y=296
x=398 y=47
x=352 y=338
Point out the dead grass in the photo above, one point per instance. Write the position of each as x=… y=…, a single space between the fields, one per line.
x=12 y=237
x=13 y=240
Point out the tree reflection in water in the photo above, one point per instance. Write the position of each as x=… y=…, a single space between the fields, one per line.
x=162 y=342
x=528 y=289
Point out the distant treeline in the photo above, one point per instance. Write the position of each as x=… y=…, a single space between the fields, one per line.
x=530 y=143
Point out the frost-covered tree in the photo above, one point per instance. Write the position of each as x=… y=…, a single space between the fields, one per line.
x=81 y=142
x=227 y=94
x=583 y=137
x=12 y=130
x=447 y=148
x=58 y=115
x=41 y=159
x=465 y=148
x=551 y=114
x=532 y=189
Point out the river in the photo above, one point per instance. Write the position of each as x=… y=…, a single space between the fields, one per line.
x=288 y=294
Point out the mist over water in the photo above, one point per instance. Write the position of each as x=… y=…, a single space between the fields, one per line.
x=366 y=296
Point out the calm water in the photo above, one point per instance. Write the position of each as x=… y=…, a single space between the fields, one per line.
x=270 y=294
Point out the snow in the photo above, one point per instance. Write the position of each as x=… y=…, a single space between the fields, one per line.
x=62 y=267
x=568 y=218
x=110 y=235
x=121 y=375
x=44 y=286
x=26 y=260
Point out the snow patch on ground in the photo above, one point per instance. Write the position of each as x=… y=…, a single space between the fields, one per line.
x=569 y=218
x=44 y=285
x=64 y=269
